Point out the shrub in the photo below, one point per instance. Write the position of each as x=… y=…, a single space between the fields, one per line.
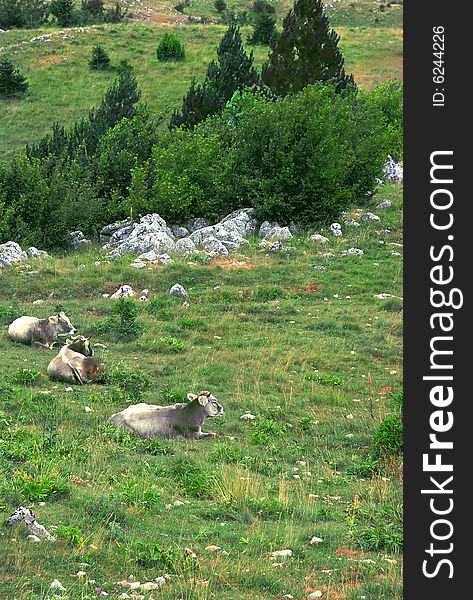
x=63 y=10
x=306 y=157
x=260 y=6
x=93 y=7
x=170 y=48
x=132 y=380
x=264 y=28
x=220 y=6
x=123 y=324
x=12 y=82
x=99 y=60
x=388 y=437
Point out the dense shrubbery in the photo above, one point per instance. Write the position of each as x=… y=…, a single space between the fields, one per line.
x=304 y=157
x=12 y=82
x=33 y=13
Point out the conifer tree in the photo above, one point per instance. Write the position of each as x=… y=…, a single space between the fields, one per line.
x=233 y=70
x=99 y=60
x=264 y=28
x=305 y=52
x=12 y=82
x=63 y=10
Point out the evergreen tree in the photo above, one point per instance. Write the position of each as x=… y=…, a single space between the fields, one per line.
x=305 y=52
x=220 y=6
x=264 y=28
x=12 y=82
x=93 y=7
x=99 y=60
x=63 y=10
x=232 y=71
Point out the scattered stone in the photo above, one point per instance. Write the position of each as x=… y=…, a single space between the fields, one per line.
x=57 y=585
x=369 y=216
x=328 y=255
x=281 y=553
x=185 y=246
x=81 y=574
x=212 y=548
x=319 y=239
x=351 y=223
x=384 y=204
x=39 y=301
x=33 y=252
x=316 y=540
x=352 y=252
x=277 y=246
x=27 y=516
x=214 y=247
x=116 y=231
x=179 y=232
x=393 y=171
x=195 y=224
x=151 y=233
x=33 y=538
x=124 y=291
x=278 y=233
x=336 y=229
x=78 y=240
x=266 y=227
x=144 y=295
x=316 y=594
x=247 y=417
x=10 y=253
x=177 y=290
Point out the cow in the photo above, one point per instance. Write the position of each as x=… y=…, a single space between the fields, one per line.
x=40 y=333
x=74 y=362
x=182 y=420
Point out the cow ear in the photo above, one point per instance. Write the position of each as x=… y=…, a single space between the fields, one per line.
x=203 y=400
x=53 y=320
x=191 y=396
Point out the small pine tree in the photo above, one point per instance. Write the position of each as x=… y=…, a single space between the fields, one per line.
x=100 y=60
x=232 y=71
x=264 y=28
x=63 y=10
x=305 y=52
x=220 y=6
x=93 y=7
x=12 y=82
x=170 y=48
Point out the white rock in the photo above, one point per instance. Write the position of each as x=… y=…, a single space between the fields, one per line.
x=124 y=291
x=384 y=204
x=281 y=553
x=150 y=585
x=316 y=594
x=336 y=229
x=185 y=246
x=319 y=239
x=352 y=252
x=247 y=417
x=177 y=290
x=39 y=301
x=316 y=540
x=369 y=216
x=279 y=233
x=10 y=253
x=57 y=585
x=33 y=538
x=33 y=252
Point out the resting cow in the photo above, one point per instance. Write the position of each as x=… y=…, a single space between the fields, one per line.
x=74 y=363
x=40 y=333
x=183 y=420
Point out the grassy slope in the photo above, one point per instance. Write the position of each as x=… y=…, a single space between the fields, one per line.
x=258 y=338
x=62 y=87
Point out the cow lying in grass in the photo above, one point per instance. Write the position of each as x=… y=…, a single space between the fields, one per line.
x=40 y=333
x=74 y=363
x=183 y=420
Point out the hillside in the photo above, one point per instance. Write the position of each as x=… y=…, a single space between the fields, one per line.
x=302 y=342
x=62 y=87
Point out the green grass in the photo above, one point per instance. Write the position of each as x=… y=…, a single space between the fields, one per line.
x=261 y=341
x=63 y=88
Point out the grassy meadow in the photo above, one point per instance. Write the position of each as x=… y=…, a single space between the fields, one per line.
x=63 y=88
x=270 y=334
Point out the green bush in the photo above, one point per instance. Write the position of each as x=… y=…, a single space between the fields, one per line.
x=170 y=48
x=388 y=437
x=12 y=82
x=308 y=156
x=264 y=28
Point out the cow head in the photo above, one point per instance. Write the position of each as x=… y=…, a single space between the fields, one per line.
x=63 y=324
x=212 y=408
x=80 y=344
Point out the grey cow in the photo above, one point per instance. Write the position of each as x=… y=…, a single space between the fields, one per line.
x=74 y=363
x=182 y=420
x=40 y=333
